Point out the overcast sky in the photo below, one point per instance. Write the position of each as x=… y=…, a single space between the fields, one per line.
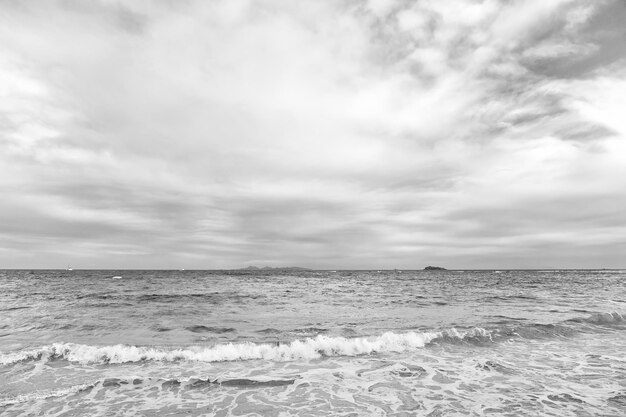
x=327 y=134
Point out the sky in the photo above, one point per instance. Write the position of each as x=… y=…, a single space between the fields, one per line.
x=324 y=134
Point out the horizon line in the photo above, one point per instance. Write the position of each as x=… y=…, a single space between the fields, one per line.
x=305 y=269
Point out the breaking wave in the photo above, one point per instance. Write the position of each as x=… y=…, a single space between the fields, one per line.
x=307 y=348
x=312 y=348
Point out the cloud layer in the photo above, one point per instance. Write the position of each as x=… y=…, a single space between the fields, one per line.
x=328 y=134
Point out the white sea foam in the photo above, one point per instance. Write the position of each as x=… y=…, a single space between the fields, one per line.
x=42 y=395
x=476 y=332
x=312 y=348
x=309 y=348
x=24 y=355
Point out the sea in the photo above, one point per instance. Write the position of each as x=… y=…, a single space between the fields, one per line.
x=312 y=343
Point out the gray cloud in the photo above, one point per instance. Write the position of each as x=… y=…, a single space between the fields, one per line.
x=364 y=134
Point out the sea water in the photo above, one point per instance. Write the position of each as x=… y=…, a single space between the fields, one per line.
x=313 y=343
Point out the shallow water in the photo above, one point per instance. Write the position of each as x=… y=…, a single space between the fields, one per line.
x=312 y=343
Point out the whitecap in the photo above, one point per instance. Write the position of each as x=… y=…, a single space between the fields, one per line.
x=310 y=348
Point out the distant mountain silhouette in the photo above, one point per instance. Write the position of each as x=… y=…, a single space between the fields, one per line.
x=279 y=268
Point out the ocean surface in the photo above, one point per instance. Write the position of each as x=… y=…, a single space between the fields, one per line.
x=313 y=343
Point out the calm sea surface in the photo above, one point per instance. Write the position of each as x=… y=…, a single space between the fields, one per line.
x=345 y=343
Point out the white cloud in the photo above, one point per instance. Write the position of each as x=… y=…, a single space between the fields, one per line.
x=355 y=134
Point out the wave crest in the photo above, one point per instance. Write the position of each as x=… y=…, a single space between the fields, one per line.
x=308 y=348
x=606 y=318
x=312 y=348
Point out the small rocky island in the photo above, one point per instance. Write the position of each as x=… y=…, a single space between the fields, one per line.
x=434 y=268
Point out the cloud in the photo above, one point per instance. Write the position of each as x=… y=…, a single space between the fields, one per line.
x=357 y=134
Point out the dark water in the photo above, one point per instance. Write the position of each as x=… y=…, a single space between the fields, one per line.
x=158 y=343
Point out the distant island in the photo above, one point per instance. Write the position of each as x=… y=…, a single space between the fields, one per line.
x=434 y=268
x=279 y=268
